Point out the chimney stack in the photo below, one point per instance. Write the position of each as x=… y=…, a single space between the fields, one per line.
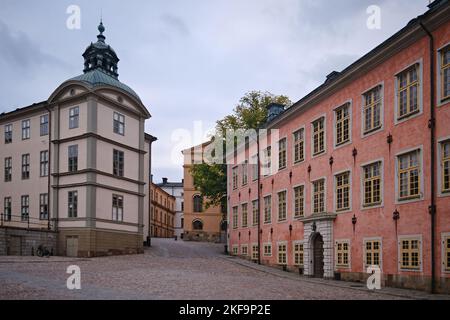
x=164 y=180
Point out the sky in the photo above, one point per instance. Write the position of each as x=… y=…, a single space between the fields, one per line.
x=190 y=61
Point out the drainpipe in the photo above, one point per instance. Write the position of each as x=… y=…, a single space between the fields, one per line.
x=259 y=196
x=431 y=125
x=49 y=163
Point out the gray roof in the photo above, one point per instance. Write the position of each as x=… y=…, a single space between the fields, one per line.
x=97 y=77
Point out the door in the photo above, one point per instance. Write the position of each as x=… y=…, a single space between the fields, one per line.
x=15 y=246
x=72 y=246
x=318 y=256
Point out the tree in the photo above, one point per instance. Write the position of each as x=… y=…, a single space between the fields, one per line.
x=250 y=113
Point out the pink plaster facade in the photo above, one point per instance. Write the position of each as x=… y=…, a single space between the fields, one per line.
x=378 y=68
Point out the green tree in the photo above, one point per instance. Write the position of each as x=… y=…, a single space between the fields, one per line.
x=250 y=113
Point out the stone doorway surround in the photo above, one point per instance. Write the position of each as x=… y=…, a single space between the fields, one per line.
x=319 y=224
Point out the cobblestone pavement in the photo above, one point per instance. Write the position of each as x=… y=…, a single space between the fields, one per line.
x=173 y=270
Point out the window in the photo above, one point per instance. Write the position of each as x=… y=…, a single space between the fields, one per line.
x=298 y=254
x=299 y=145
x=119 y=123
x=342 y=191
x=8 y=133
x=408 y=92
x=235 y=177
x=235 y=217
x=255 y=212
x=8 y=169
x=7 y=209
x=117 y=207
x=268 y=209
x=282 y=256
x=282 y=206
x=25 y=166
x=198 y=203
x=342 y=254
x=25 y=207
x=372 y=184
x=299 y=201
x=244 y=173
x=244 y=250
x=318 y=127
x=43 y=171
x=446 y=252
x=319 y=196
x=44 y=125
x=72 y=204
x=118 y=163
x=235 y=250
x=372 y=252
x=445 y=166
x=25 y=129
x=197 y=225
x=410 y=255
x=244 y=215
x=267 y=250
x=254 y=168
x=73 y=158
x=255 y=252
x=282 y=154
x=445 y=73
x=342 y=116
x=372 y=104
x=268 y=161
x=43 y=206
x=74 y=115
x=408 y=175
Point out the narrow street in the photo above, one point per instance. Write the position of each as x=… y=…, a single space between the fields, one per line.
x=173 y=270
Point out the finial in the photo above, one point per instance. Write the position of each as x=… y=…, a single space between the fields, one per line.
x=101 y=29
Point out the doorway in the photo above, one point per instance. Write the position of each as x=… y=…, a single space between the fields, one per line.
x=15 y=246
x=72 y=246
x=318 y=255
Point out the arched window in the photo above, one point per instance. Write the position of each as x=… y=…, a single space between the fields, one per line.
x=198 y=203
x=197 y=225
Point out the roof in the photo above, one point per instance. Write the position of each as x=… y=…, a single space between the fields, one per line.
x=170 y=184
x=97 y=77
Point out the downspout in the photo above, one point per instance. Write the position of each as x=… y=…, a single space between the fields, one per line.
x=49 y=164
x=259 y=196
x=432 y=125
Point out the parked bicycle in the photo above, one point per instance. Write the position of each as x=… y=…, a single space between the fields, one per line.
x=42 y=251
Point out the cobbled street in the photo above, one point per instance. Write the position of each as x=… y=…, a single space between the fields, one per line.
x=174 y=270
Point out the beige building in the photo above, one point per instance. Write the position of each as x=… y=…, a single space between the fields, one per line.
x=76 y=166
x=200 y=223
x=162 y=213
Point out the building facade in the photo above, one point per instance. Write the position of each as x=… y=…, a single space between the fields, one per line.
x=75 y=166
x=200 y=223
x=175 y=189
x=162 y=213
x=357 y=173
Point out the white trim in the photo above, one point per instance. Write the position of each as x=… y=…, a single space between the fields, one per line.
x=350 y=124
x=350 y=181
x=421 y=178
x=287 y=251
x=361 y=184
x=293 y=200
x=444 y=236
x=295 y=242
x=365 y=239
x=349 y=266
x=419 y=93
x=293 y=146
x=271 y=208
x=264 y=244
x=364 y=135
x=278 y=207
x=399 y=258
x=439 y=102
x=324 y=116
x=312 y=194
x=241 y=251
x=278 y=155
x=439 y=166
x=243 y=203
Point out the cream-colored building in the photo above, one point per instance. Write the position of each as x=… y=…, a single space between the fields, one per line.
x=76 y=166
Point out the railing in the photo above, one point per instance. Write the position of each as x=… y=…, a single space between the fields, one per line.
x=7 y=219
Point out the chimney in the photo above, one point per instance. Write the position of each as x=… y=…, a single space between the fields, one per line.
x=274 y=109
x=332 y=75
x=164 y=180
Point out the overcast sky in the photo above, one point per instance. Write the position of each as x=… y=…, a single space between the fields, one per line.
x=190 y=60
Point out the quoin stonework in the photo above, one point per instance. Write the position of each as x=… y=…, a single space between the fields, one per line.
x=76 y=166
x=360 y=172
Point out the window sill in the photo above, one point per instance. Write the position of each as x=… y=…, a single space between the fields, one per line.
x=408 y=116
x=370 y=132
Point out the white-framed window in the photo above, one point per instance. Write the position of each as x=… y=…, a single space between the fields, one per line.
x=446 y=252
x=25 y=207
x=410 y=253
x=372 y=184
x=255 y=211
x=43 y=125
x=43 y=206
x=282 y=205
x=298 y=253
x=8 y=133
x=299 y=145
x=444 y=166
x=72 y=158
x=8 y=169
x=26 y=129
x=235 y=250
x=342 y=248
x=117 y=207
x=372 y=109
x=255 y=251
x=282 y=159
x=244 y=173
x=25 y=166
x=74 y=116
x=72 y=204
x=244 y=249
x=409 y=175
x=119 y=123
x=244 y=208
x=268 y=209
x=267 y=166
x=372 y=252
x=267 y=249
x=43 y=168
x=299 y=201
x=318 y=194
x=254 y=166
x=235 y=217
x=408 y=92
x=342 y=184
x=7 y=208
x=444 y=74
x=318 y=136
x=235 y=177
x=282 y=253
x=342 y=124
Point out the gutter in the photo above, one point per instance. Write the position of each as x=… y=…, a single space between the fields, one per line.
x=432 y=125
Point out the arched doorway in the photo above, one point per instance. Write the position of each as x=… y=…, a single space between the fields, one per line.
x=317 y=244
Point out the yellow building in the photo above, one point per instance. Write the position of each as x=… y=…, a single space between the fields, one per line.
x=200 y=224
x=162 y=213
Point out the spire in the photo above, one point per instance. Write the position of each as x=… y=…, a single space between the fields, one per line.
x=101 y=29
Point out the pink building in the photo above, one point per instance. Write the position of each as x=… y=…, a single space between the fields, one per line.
x=360 y=173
